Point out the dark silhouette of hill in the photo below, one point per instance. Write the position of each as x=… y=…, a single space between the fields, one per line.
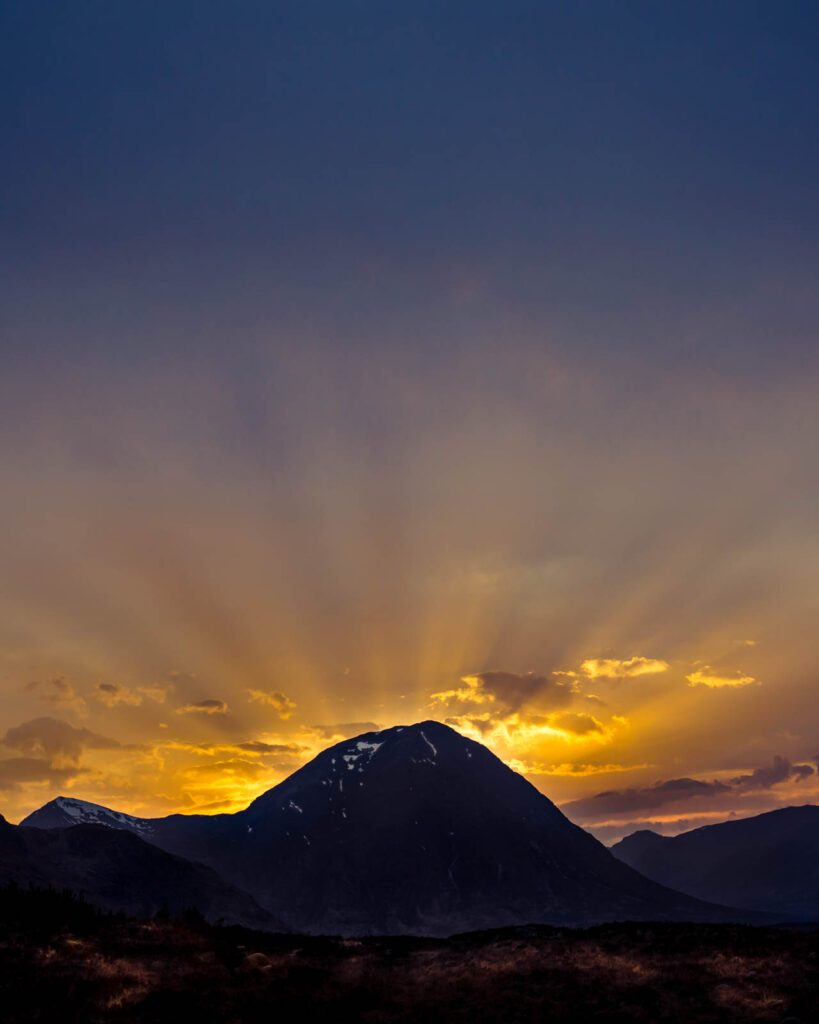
x=769 y=862
x=118 y=871
x=411 y=830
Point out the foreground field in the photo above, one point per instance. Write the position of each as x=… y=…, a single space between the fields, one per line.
x=60 y=961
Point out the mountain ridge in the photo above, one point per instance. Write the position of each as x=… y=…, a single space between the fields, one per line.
x=117 y=870
x=767 y=862
x=410 y=830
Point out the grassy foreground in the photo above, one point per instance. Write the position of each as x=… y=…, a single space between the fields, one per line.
x=62 y=961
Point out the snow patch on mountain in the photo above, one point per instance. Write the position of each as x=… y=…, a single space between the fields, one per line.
x=82 y=812
x=362 y=749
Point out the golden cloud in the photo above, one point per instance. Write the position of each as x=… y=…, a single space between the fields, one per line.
x=234 y=767
x=58 y=693
x=155 y=692
x=111 y=694
x=204 y=707
x=615 y=668
x=706 y=676
x=570 y=769
x=521 y=731
x=472 y=692
x=280 y=702
x=578 y=724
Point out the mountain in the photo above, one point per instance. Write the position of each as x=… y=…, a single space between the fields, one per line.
x=411 y=830
x=66 y=811
x=119 y=871
x=766 y=863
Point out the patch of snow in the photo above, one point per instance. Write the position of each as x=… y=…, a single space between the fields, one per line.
x=361 y=749
x=83 y=812
x=430 y=745
x=295 y=807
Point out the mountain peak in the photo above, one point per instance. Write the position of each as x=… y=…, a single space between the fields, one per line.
x=67 y=811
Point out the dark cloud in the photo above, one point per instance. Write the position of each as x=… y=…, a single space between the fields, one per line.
x=17 y=770
x=58 y=742
x=502 y=693
x=258 y=747
x=780 y=770
x=629 y=801
x=516 y=690
x=671 y=791
x=204 y=707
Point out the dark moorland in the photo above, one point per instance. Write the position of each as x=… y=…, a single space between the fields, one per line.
x=61 y=960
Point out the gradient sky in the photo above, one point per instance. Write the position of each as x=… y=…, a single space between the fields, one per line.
x=367 y=362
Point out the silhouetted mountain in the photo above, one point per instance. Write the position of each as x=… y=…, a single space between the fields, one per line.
x=410 y=830
x=768 y=863
x=119 y=871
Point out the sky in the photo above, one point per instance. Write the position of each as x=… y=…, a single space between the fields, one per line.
x=366 y=363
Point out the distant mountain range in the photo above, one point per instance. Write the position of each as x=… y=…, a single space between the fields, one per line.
x=412 y=830
x=769 y=862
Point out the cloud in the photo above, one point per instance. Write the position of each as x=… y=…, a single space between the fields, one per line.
x=780 y=770
x=204 y=707
x=507 y=692
x=627 y=801
x=234 y=767
x=15 y=771
x=58 y=693
x=344 y=730
x=178 y=676
x=58 y=742
x=570 y=769
x=578 y=724
x=614 y=668
x=519 y=730
x=706 y=676
x=673 y=791
x=258 y=747
x=155 y=692
x=110 y=694
x=280 y=702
